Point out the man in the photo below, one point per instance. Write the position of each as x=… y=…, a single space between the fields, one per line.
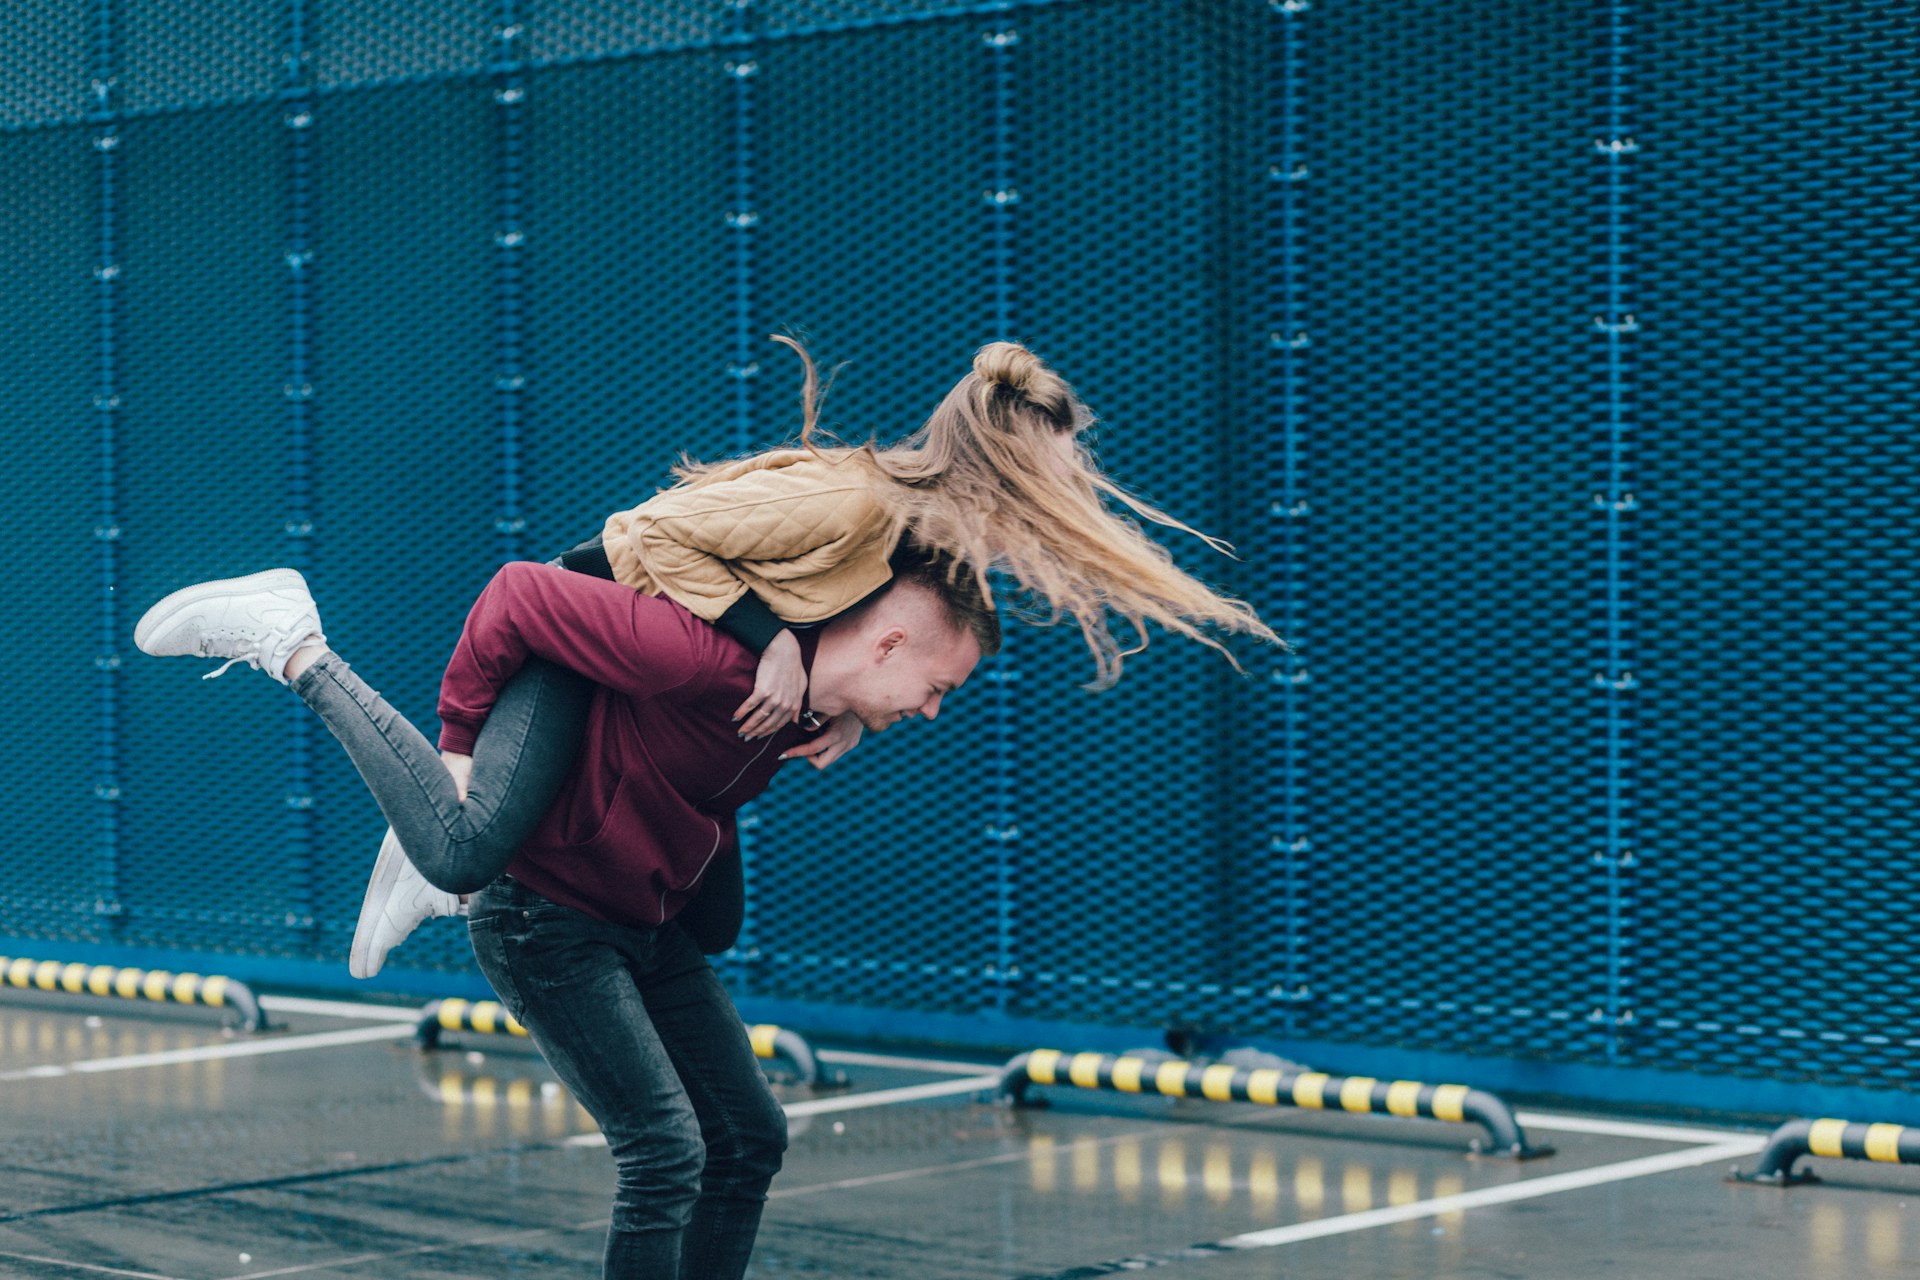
x=579 y=937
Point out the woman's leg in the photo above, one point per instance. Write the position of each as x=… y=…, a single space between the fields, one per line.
x=399 y=898
x=269 y=621
x=519 y=762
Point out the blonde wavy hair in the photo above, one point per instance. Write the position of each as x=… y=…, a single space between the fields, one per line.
x=983 y=483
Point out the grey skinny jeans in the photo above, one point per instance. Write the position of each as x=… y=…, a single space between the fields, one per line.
x=520 y=759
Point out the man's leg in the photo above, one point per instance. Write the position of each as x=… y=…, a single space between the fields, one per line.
x=742 y=1124
x=570 y=980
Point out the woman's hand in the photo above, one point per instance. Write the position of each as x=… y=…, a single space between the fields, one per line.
x=779 y=687
x=841 y=735
x=461 y=767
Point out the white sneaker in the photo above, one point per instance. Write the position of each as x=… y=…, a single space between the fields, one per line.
x=398 y=900
x=259 y=620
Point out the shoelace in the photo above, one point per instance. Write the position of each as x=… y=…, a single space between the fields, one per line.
x=251 y=659
x=271 y=641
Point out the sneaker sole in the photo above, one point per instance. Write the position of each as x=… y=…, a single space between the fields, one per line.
x=157 y=618
x=386 y=870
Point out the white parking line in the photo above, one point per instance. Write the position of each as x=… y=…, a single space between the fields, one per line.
x=887 y=1097
x=1625 y=1129
x=240 y=1049
x=341 y=1009
x=852 y=1059
x=392 y=1016
x=86 y=1266
x=1528 y=1189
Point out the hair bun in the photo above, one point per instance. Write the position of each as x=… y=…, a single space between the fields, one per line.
x=1007 y=363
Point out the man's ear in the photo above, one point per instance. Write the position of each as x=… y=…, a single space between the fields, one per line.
x=889 y=640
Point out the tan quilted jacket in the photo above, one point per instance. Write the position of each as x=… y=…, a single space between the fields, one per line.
x=809 y=536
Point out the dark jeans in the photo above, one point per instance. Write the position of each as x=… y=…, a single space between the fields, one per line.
x=636 y=1023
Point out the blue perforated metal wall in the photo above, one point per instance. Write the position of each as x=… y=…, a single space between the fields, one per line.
x=1550 y=364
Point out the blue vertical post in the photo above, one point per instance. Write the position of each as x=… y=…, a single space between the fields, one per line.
x=504 y=72
x=741 y=67
x=999 y=39
x=1286 y=345
x=297 y=116
x=1616 y=505
x=104 y=136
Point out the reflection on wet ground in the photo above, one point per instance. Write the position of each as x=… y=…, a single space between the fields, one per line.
x=373 y=1159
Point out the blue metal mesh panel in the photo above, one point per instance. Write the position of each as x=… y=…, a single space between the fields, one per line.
x=782 y=16
x=203 y=396
x=45 y=65
x=871 y=225
x=1777 y=607
x=833 y=854
x=1257 y=119
x=1450 y=587
x=172 y=55
x=846 y=175
x=627 y=284
x=1123 y=841
x=566 y=29
x=360 y=40
x=406 y=455
x=52 y=855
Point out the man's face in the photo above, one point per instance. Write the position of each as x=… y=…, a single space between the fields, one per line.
x=907 y=670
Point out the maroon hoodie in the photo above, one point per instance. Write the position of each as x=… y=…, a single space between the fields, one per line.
x=650 y=802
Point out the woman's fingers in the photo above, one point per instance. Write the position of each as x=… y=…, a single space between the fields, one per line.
x=806 y=749
x=768 y=719
x=823 y=750
x=817 y=754
x=778 y=691
x=461 y=767
x=754 y=713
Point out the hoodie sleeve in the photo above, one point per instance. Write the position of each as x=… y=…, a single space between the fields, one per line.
x=640 y=645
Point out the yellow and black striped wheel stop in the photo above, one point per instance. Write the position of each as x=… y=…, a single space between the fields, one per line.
x=1274 y=1087
x=121 y=982
x=1834 y=1140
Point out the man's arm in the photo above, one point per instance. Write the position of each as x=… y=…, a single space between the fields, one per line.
x=612 y=635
